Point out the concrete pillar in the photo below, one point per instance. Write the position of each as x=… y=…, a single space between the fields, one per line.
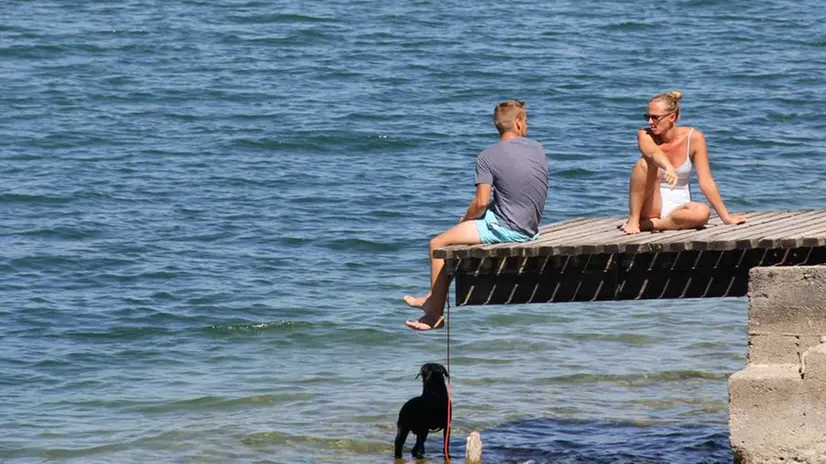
x=777 y=404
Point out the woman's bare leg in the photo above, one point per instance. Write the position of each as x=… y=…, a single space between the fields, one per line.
x=691 y=215
x=644 y=201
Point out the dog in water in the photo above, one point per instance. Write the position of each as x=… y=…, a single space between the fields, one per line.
x=425 y=413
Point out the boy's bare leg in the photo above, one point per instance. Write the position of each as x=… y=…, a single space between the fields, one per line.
x=464 y=233
x=435 y=306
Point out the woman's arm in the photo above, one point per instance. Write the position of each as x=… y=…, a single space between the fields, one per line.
x=706 y=181
x=642 y=180
x=654 y=155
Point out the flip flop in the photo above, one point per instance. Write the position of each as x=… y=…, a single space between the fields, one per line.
x=424 y=327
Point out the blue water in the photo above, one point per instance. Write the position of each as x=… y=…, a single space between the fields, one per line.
x=209 y=213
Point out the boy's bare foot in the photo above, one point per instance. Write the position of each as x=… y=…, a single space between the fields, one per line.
x=416 y=301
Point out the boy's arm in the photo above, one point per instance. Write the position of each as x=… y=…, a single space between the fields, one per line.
x=484 y=185
x=479 y=203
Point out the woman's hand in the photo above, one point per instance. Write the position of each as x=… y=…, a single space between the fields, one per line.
x=670 y=176
x=736 y=219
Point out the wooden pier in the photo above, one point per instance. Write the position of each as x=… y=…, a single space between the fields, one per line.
x=590 y=259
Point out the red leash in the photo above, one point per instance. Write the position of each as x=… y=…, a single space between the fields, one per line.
x=449 y=400
x=447 y=435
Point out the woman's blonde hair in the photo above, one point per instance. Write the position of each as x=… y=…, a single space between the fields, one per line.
x=671 y=99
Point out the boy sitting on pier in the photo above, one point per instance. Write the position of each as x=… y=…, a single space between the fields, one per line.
x=516 y=170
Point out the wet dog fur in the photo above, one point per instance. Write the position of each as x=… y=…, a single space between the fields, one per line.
x=425 y=413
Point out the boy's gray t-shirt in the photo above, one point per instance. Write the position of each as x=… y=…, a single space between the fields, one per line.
x=518 y=171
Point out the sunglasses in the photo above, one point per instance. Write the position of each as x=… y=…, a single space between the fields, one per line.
x=655 y=117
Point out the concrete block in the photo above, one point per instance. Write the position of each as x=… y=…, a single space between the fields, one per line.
x=773 y=349
x=811 y=453
x=804 y=285
x=766 y=403
x=809 y=341
x=758 y=384
x=769 y=348
x=789 y=300
x=770 y=318
x=775 y=415
x=814 y=366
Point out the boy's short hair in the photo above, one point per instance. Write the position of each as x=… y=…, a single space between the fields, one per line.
x=506 y=113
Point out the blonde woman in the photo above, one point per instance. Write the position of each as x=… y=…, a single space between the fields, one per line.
x=659 y=197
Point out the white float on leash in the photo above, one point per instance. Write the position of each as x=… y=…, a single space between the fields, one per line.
x=473 y=449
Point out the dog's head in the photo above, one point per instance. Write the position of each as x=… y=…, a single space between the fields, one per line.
x=433 y=372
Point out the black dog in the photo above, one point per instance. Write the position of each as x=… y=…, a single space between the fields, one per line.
x=426 y=413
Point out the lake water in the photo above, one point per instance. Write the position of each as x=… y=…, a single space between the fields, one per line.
x=209 y=213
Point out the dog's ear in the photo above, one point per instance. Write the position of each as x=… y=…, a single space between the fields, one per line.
x=444 y=371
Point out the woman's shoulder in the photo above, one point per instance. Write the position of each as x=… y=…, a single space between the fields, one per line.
x=695 y=137
x=696 y=141
x=693 y=132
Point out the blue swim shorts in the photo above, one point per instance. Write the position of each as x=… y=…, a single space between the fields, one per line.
x=490 y=231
